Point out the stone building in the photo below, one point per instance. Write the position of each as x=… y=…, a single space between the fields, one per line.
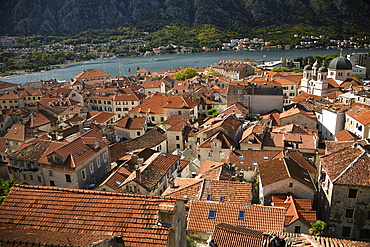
x=79 y=163
x=233 y=69
x=260 y=96
x=344 y=190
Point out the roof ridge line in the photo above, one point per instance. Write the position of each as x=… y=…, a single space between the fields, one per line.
x=97 y=192
x=350 y=165
x=201 y=189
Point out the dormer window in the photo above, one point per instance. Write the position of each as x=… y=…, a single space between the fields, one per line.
x=241 y=215
x=212 y=214
x=96 y=144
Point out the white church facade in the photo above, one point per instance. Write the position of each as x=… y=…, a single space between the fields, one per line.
x=321 y=80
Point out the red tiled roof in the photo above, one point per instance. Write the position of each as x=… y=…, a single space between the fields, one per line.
x=345 y=135
x=127 y=94
x=40 y=119
x=92 y=73
x=226 y=141
x=231 y=191
x=236 y=108
x=304 y=96
x=208 y=165
x=152 y=84
x=348 y=166
x=4 y=84
x=63 y=210
x=246 y=159
x=317 y=241
x=261 y=218
x=294 y=111
x=360 y=114
x=294 y=211
x=163 y=162
x=31 y=237
x=131 y=123
x=157 y=103
x=184 y=188
x=101 y=117
x=175 y=119
x=282 y=168
x=226 y=235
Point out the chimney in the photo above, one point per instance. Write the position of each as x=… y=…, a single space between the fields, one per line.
x=53 y=136
x=287 y=154
x=138 y=175
x=172 y=183
x=140 y=162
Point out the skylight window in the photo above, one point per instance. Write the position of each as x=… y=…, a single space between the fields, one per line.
x=212 y=214
x=241 y=215
x=78 y=153
x=265 y=157
x=254 y=164
x=222 y=199
x=209 y=197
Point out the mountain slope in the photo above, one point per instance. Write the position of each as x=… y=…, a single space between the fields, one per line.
x=62 y=17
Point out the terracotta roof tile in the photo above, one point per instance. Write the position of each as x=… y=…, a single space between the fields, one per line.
x=345 y=135
x=150 y=139
x=127 y=94
x=230 y=191
x=294 y=211
x=28 y=237
x=294 y=111
x=360 y=114
x=318 y=241
x=184 y=188
x=226 y=141
x=157 y=103
x=284 y=168
x=226 y=235
x=101 y=117
x=249 y=159
x=348 y=166
x=255 y=217
x=152 y=84
x=91 y=74
x=304 y=96
x=131 y=123
x=133 y=217
x=208 y=165
x=39 y=119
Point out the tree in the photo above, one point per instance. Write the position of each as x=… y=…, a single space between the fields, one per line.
x=190 y=242
x=279 y=69
x=185 y=74
x=318 y=228
x=213 y=112
x=5 y=187
x=212 y=72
